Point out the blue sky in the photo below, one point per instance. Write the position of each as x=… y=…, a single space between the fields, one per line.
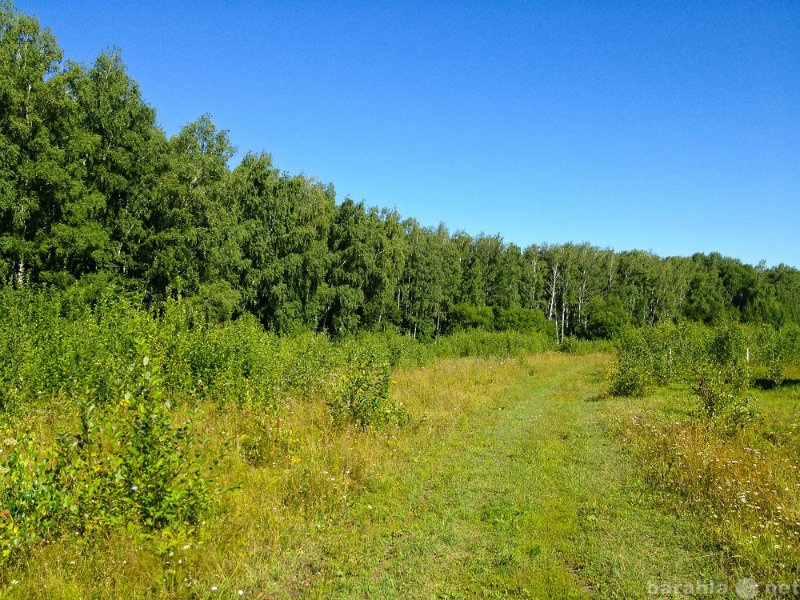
x=665 y=126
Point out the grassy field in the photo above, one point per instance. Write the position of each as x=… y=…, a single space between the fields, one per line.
x=514 y=478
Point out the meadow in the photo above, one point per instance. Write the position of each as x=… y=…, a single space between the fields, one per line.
x=219 y=380
x=153 y=455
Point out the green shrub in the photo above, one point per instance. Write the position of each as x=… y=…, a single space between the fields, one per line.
x=361 y=393
x=521 y=319
x=633 y=370
x=488 y=343
x=606 y=318
x=466 y=316
x=117 y=375
x=126 y=463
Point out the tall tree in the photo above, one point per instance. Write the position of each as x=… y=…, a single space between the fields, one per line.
x=192 y=224
x=33 y=177
x=122 y=158
x=286 y=223
x=705 y=294
x=431 y=280
x=531 y=282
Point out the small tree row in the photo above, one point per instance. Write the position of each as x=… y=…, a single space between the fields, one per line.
x=720 y=363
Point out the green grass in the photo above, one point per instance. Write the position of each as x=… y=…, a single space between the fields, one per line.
x=738 y=487
x=523 y=495
x=515 y=478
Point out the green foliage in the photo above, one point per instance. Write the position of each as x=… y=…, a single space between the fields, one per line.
x=714 y=392
x=122 y=375
x=605 y=318
x=688 y=353
x=522 y=320
x=217 y=302
x=574 y=345
x=719 y=364
x=724 y=402
x=90 y=187
x=123 y=463
x=633 y=371
x=153 y=248
x=159 y=467
x=491 y=343
x=465 y=316
x=360 y=394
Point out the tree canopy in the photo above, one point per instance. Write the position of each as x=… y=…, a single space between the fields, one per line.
x=91 y=189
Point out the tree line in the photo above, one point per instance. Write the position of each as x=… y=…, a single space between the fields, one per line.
x=92 y=191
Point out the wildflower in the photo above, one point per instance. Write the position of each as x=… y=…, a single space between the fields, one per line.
x=213 y=588
x=135 y=488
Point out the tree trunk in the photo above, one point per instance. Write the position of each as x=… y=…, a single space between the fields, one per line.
x=553 y=292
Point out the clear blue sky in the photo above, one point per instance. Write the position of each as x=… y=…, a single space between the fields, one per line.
x=664 y=126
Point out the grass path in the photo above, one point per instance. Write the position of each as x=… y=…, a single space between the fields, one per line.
x=522 y=495
x=510 y=481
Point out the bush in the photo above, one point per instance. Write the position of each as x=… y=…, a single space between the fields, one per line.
x=572 y=345
x=125 y=463
x=361 y=393
x=606 y=318
x=523 y=320
x=717 y=363
x=633 y=370
x=487 y=343
x=466 y=316
x=114 y=376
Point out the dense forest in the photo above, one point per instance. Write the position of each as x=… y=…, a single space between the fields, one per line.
x=92 y=191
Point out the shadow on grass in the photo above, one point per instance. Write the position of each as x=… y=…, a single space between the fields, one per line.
x=598 y=397
x=768 y=384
